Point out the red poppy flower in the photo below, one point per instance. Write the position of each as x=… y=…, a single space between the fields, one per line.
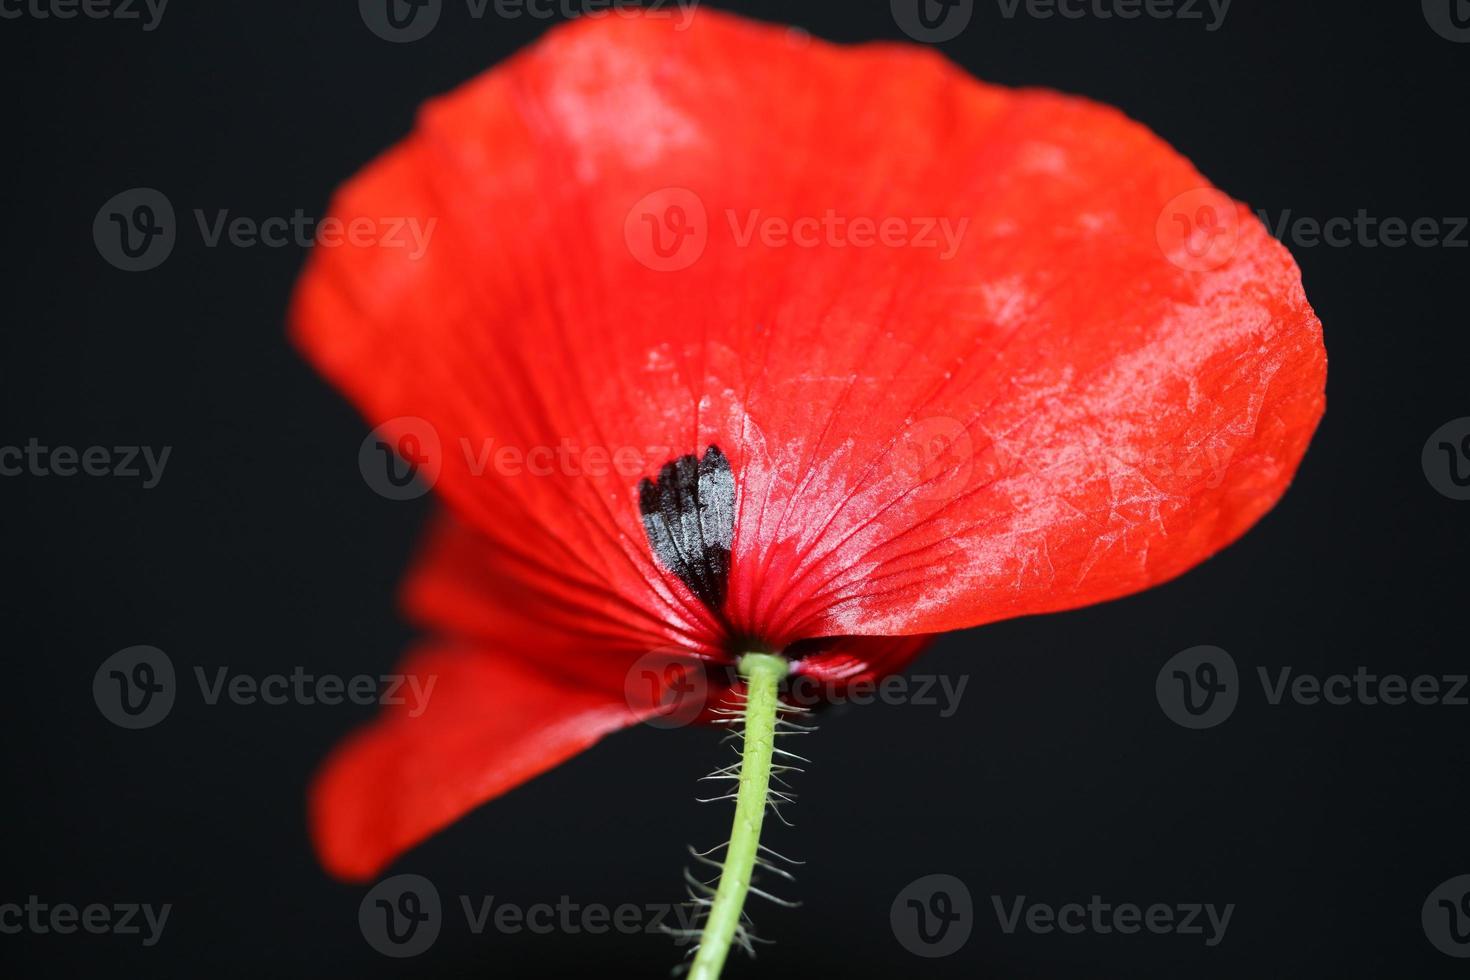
x=731 y=340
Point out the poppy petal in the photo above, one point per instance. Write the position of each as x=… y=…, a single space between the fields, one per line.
x=837 y=662
x=462 y=586
x=960 y=359
x=488 y=721
x=465 y=585
x=960 y=363
x=533 y=675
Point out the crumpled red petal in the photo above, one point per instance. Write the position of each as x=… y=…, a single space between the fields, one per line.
x=1032 y=395
x=1116 y=417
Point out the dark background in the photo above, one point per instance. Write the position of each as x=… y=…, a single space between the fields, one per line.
x=1059 y=778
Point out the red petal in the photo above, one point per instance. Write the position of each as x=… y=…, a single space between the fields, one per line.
x=1076 y=404
x=539 y=675
x=492 y=720
x=464 y=584
x=1112 y=417
x=845 y=660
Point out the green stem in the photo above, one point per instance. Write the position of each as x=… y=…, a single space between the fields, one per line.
x=763 y=672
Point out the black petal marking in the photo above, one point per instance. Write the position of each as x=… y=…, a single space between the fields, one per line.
x=689 y=516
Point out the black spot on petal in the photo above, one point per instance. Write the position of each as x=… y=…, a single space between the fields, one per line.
x=689 y=516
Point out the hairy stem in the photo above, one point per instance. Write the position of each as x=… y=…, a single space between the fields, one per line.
x=763 y=672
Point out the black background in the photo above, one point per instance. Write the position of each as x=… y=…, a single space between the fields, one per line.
x=1059 y=778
